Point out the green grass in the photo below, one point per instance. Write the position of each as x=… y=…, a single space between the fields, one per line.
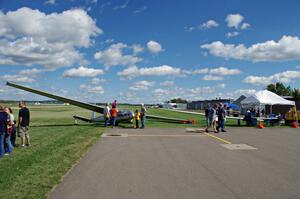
x=56 y=145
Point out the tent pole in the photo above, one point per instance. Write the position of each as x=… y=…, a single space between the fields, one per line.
x=271 y=110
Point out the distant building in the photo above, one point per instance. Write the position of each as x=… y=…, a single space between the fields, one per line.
x=173 y=105
x=204 y=104
x=238 y=100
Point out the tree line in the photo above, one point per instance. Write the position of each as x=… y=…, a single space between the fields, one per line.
x=282 y=90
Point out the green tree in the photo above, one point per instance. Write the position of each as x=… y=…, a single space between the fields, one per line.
x=178 y=100
x=296 y=93
x=272 y=88
x=280 y=89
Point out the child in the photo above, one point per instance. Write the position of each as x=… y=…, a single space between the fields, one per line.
x=137 y=118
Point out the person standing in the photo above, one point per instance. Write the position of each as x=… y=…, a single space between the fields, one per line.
x=263 y=112
x=106 y=114
x=113 y=116
x=23 y=124
x=137 y=118
x=13 y=135
x=9 y=130
x=3 y=126
x=221 y=117
x=114 y=104
x=225 y=115
x=208 y=118
x=143 y=115
x=214 y=117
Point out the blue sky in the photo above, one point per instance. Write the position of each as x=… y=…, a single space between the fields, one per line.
x=148 y=51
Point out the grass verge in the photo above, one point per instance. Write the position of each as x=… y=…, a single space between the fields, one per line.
x=56 y=146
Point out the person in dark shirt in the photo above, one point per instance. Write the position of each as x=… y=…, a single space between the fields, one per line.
x=3 y=126
x=221 y=117
x=23 y=124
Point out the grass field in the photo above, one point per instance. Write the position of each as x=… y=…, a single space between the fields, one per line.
x=57 y=144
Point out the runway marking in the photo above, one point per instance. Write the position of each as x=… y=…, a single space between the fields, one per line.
x=238 y=147
x=218 y=138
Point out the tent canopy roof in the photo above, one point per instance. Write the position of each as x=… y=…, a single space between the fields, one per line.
x=266 y=97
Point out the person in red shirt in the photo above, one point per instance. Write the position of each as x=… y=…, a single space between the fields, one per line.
x=113 y=116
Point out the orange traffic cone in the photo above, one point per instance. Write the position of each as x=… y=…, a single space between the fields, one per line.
x=295 y=124
x=260 y=125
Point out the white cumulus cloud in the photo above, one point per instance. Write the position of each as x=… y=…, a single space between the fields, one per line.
x=31 y=37
x=96 y=80
x=17 y=78
x=245 y=26
x=224 y=71
x=31 y=72
x=141 y=85
x=212 y=78
x=287 y=48
x=113 y=56
x=196 y=71
x=154 y=47
x=234 y=20
x=151 y=71
x=209 y=24
x=83 y=72
x=92 y=89
x=232 y=34
x=137 y=48
x=284 y=77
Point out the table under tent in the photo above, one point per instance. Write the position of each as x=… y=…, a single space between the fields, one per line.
x=262 y=98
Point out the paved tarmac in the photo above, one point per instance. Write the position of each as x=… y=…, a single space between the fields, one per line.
x=176 y=164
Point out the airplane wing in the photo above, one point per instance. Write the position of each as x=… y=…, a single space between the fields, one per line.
x=202 y=114
x=169 y=119
x=84 y=105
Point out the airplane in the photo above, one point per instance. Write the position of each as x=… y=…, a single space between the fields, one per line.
x=124 y=115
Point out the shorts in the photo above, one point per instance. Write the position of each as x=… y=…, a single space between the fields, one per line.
x=23 y=131
x=215 y=119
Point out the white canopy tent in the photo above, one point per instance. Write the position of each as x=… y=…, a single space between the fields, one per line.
x=266 y=97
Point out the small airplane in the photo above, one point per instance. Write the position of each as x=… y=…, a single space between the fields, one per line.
x=124 y=115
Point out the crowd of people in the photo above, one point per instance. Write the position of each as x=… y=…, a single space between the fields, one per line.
x=10 y=129
x=110 y=115
x=216 y=118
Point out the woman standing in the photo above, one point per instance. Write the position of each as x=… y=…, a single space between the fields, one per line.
x=14 y=132
x=106 y=114
x=9 y=131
